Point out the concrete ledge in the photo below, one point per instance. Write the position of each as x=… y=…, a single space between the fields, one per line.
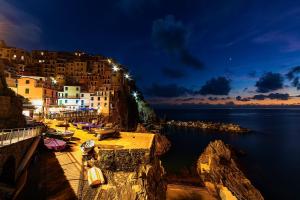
x=126 y=153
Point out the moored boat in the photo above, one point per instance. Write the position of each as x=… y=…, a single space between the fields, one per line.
x=54 y=144
x=103 y=133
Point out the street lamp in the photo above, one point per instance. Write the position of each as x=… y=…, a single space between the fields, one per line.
x=115 y=68
x=135 y=95
x=127 y=76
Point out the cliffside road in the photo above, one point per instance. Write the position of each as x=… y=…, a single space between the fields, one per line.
x=183 y=192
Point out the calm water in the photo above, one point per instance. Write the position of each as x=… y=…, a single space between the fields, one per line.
x=273 y=150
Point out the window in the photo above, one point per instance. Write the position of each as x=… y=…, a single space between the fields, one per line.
x=92 y=105
x=77 y=101
x=66 y=95
x=105 y=98
x=27 y=91
x=82 y=102
x=98 y=98
x=66 y=88
x=77 y=88
x=66 y=101
x=92 y=98
x=105 y=104
x=77 y=95
x=27 y=81
x=82 y=95
x=60 y=102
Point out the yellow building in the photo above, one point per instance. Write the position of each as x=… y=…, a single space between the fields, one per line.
x=39 y=91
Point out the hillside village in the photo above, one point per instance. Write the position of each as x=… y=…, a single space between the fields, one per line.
x=55 y=82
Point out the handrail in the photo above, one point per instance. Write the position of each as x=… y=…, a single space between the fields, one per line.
x=10 y=136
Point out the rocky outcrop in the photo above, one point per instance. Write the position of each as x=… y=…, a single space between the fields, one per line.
x=10 y=105
x=222 y=177
x=210 y=126
x=162 y=144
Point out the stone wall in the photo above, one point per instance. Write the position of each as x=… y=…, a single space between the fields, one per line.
x=131 y=174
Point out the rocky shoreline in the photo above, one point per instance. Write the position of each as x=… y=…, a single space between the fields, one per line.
x=210 y=126
x=218 y=169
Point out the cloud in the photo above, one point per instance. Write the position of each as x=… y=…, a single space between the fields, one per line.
x=173 y=73
x=170 y=90
x=216 y=86
x=17 y=27
x=239 y=98
x=260 y=97
x=293 y=76
x=290 y=42
x=172 y=36
x=269 y=82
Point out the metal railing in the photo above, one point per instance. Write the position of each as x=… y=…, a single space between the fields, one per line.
x=71 y=115
x=10 y=136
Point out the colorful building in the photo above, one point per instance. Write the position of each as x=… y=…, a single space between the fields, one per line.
x=70 y=98
x=40 y=91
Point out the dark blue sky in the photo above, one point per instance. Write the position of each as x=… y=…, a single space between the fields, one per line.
x=171 y=44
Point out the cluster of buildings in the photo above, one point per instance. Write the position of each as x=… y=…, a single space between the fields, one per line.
x=55 y=81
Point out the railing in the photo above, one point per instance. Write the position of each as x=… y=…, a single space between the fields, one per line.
x=71 y=115
x=10 y=136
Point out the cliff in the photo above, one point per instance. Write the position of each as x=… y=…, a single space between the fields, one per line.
x=10 y=105
x=222 y=177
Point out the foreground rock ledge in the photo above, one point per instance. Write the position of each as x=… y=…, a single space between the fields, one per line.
x=132 y=170
x=224 y=180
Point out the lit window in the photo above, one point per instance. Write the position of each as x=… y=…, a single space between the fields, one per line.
x=22 y=57
x=42 y=53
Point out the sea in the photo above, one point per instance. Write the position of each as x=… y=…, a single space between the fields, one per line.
x=271 y=151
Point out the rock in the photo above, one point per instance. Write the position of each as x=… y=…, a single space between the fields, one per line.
x=162 y=144
x=222 y=177
x=141 y=129
x=10 y=105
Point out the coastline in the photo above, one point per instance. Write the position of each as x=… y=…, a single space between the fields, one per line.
x=210 y=126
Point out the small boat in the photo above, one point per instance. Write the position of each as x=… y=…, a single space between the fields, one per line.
x=87 y=146
x=65 y=134
x=105 y=133
x=55 y=144
x=95 y=176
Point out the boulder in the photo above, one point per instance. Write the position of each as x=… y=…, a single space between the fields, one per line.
x=219 y=171
x=162 y=144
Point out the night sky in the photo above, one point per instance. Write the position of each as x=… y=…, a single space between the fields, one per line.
x=179 y=52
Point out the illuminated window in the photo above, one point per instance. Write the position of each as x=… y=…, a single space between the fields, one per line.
x=22 y=57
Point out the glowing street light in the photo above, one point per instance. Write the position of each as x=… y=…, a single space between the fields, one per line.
x=115 y=68
x=135 y=94
x=127 y=76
